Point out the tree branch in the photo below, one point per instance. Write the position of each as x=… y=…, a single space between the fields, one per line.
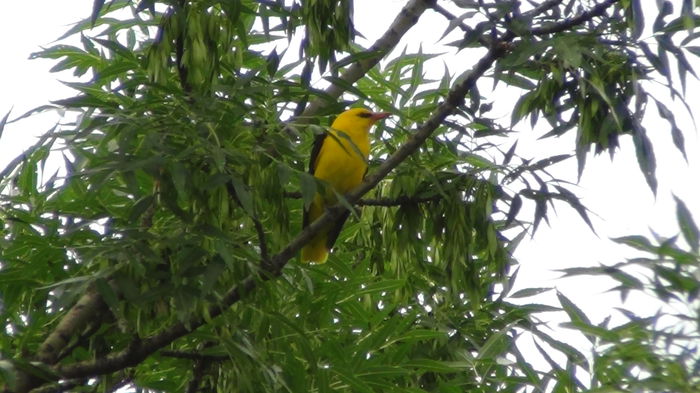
x=78 y=315
x=197 y=374
x=264 y=256
x=82 y=340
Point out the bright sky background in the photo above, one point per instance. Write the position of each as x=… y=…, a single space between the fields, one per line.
x=620 y=200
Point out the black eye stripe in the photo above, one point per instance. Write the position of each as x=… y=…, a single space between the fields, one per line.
x=364 y=114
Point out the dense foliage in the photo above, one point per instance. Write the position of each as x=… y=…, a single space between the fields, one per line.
x=150 y=240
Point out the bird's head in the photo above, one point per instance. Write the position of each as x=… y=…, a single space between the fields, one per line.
x=359 y=116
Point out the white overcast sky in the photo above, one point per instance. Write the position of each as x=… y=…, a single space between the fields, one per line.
x=620 y=200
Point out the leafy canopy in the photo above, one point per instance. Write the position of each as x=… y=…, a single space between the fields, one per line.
x=162 y=251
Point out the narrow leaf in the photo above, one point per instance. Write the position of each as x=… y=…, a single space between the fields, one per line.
x=515 y=206
x=308 y=188
x=96 y=8
x=645 y=156
x=4 y=121
x=687 y=224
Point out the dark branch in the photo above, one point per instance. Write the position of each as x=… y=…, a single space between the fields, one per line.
x=264 y=256
x=197 y=374
x=78 y=316
x=82 y=340
x=598 y=10
x=201 y=364
x=134 y=354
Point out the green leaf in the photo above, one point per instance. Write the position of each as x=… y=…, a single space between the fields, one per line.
x=574 y=202
x=96 y=8
x=645 y=156
x=381 y=286
x=108 y=295
x=348 y=87
x=637 y=18
x=421 y=335
x=495 y=345
x=356 y=57
x=430 y=365
x=477 y=161
x=527 y=292
x=514 y=209
x=273 y=62
x=676 y=132
x=639 y=242
x=308 y=188
x=356 y=383
x=8 y=374
x=575 y=313
x=3 y=121
x=687 y=224
x=140 y=207
x=244 y=195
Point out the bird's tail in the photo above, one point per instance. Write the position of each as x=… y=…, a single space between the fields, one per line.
x=315 y=250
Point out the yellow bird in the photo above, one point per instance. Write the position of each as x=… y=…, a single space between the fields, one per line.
x=340 y=160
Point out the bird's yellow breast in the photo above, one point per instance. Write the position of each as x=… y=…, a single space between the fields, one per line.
x=342 y=161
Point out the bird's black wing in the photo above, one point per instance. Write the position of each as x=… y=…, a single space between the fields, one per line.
x=338 y=225
x=335 y=230
x=315 y=150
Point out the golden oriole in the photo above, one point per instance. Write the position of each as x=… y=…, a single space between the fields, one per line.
x=339 y=158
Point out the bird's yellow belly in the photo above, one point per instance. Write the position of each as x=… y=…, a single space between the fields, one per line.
x=343 y=172
x=343 y=168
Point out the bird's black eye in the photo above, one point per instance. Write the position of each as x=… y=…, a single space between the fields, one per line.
x=365 y=114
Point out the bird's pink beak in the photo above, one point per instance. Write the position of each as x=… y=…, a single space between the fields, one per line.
x=379 y=116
